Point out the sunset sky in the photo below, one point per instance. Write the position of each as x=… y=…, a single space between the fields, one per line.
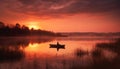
x=63 y=15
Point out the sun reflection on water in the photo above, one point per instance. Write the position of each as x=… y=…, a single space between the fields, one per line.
x=76 y=53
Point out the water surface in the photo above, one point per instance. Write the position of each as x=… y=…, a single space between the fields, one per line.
x=79 y=52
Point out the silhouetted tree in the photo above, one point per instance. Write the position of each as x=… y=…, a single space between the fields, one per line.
x=25 y=30
x=17 y=25
x=19 y=30
x=2 y=25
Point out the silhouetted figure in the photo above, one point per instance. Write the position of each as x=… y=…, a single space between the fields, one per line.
x=58 y=43
x=57 y=46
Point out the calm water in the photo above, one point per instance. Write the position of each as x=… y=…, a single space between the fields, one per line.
x=79 y=53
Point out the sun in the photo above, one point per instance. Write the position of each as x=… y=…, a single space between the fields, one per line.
x=34 y=25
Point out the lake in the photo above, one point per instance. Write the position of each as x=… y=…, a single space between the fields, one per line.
x=79 y=53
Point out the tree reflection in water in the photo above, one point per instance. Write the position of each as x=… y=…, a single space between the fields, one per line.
x=102 y=56
x=12 y=48
x=11 y=53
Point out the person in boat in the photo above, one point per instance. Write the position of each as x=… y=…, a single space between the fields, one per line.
x=58 y=43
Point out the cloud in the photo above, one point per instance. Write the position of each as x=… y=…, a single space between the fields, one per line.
x=56 y=8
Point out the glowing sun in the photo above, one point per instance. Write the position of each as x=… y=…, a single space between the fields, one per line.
x=34 y=25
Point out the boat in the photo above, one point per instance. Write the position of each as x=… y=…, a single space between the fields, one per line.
x=58 y=46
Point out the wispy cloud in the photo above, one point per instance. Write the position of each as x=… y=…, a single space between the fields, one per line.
x=58 y=8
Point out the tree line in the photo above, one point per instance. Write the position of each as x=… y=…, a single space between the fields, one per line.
x=18 y=30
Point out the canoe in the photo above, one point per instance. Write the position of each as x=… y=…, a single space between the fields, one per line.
x=57 y=46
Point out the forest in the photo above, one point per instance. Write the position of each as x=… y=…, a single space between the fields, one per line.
x=18 y=30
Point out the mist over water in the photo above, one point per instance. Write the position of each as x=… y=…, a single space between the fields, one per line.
x=79 y=53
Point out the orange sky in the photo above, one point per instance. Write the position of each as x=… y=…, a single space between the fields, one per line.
x=63 y=15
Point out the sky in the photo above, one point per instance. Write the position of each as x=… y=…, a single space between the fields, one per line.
x=63 y=15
